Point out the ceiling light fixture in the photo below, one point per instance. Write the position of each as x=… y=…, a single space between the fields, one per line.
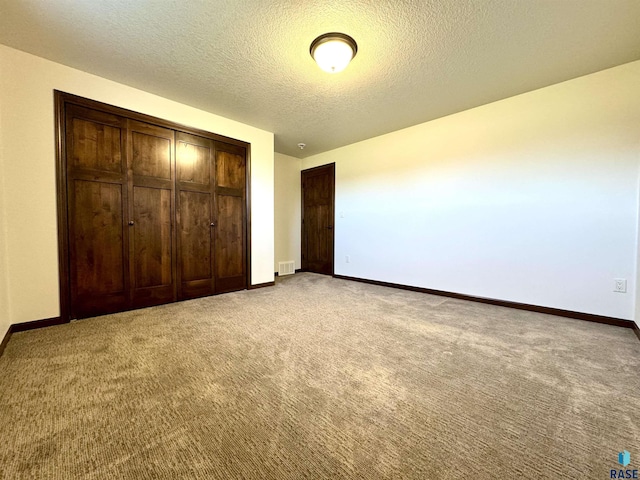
x=333 y=51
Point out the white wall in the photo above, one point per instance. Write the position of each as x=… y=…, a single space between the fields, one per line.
x=533 y=199
x=287 y=209
x=27 y=139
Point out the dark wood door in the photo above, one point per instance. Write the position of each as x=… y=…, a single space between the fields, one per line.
x=148 y=213
x=230 y=229
x=195 y=218
x=95 y=144
x=318 y=186
x=151 y=213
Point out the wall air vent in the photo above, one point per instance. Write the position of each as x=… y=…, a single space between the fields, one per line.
x=286 y=268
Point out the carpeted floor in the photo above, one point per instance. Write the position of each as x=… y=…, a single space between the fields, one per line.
x=320 y=378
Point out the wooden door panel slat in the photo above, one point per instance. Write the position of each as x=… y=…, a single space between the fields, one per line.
x=229 y=237
x=95 y=146
x=96 y=176
x=151 y=155
x=97 y=239
x=151 y=237
x=194 y=165
x=230 y=170
x=195 y=236
x=152 y=182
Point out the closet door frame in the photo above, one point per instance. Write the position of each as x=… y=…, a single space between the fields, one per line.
x=61 y=99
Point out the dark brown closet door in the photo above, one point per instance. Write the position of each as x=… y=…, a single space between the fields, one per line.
x=195 y=219
x=147 y=213
x=97 y=196
x=151 y=210
x=317 y=219
x=230 y=230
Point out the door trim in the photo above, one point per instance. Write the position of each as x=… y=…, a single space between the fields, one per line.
x=332 y=215
x=61 y=99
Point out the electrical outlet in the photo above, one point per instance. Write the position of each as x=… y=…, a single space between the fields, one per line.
x=347 y=259
x=620 y=285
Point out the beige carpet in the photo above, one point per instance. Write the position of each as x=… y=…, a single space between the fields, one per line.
x=320 y=378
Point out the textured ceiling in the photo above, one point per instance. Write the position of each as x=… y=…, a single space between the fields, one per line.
x=249 y=60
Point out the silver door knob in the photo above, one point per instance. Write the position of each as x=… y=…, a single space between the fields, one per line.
x=131 y=222
x=213 y=224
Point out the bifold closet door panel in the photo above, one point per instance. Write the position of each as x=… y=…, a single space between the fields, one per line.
x=95 y=144
x=230 y=232
x=195 y=219
x=151 y=214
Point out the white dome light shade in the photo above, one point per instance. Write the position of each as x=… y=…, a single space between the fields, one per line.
x=333 y=51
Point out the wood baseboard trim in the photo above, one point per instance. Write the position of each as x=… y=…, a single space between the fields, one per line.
x=5 y=340
x=636 y=329
x=24 y=326
x=619 y=322
x=46 y=322
x=262 y=285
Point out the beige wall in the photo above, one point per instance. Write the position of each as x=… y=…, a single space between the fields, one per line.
x=637 y=275
x=533 y=199
x=4 y=292
x=28 y=146
x=287 y=209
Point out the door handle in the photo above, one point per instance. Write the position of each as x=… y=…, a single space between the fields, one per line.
x=213 y=224
x=131 y=223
